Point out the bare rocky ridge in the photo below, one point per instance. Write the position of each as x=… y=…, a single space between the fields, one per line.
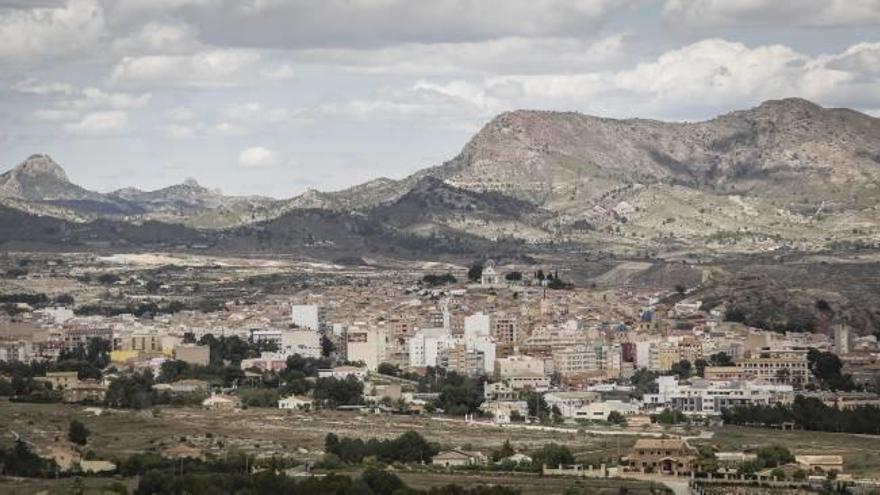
x=787 y=174
x=40 y=186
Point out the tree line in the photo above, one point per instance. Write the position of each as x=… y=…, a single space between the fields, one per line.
x=808 y=413
x=409 y=447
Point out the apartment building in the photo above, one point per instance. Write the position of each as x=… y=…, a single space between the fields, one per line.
x=306 y=343
x=308 y=316
x=707 y=397
x=366 y=345
x=785 y=366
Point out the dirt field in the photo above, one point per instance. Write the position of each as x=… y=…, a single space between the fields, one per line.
x=116 y=434
x=530 y=484
x=861 y=453
x=119 y=433
x=527 y=484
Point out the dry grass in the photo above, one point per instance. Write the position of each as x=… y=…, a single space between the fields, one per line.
x=861 y=453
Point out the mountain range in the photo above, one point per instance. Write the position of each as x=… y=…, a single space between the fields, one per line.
x=785 y=175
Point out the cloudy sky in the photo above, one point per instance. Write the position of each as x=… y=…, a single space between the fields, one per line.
x=274 y=97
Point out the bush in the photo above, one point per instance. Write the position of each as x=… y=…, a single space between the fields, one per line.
x=552 y=454
x=437 y=280
x=78 y=433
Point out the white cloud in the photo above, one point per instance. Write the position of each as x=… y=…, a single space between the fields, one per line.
x=702 y=78
x=158 y=38
x=257 y=157
x=100 y=124
x=862 y=58
x=250 y=117
x=182 y=114
x=359 y=23
x=54 y=116
x=213 y=68
x=91 y=98
x=703 y=14
x=34 y=87
x=38 y=34
x=182 y=123
x=696 y=81
x=280 y=71
x=456 y=105
x=515 y=55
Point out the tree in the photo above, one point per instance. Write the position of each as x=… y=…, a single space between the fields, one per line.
x=108 y=278
x=78 y=433
x=557 y=284
x=513 y=276
x=381 y=481
x=459 y=394
x=537 y=406
x=334 y=392
x=774 y=456
x=720 y=359
x=614 y=417
x=644 y=381
x=556 y=414
x=552 y=454
x=331 y=444
x=134 y=391
x=327 y=346
x=388 y=369
x=735 y=314
x=826 y=367
x=700 y=365
x=670 y=417
x=475 y=272
x=682 y=369
x=434 y=280
x=504 y=452
x=409 y=447
x=152 y=286
x=20 y=460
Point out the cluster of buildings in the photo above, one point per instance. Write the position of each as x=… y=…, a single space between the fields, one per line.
x=524 y=338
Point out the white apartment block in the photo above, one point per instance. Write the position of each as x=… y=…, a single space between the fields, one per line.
x=711 y=397
x=600 y=410
x=476 y=327
x=427 y=346
x=587 y=358
x=366 y=345
x=306 y=343
x=569 y=402
x=309 y=316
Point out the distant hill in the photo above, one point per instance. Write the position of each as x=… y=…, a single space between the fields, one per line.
x=40 y=186
x=786 y=175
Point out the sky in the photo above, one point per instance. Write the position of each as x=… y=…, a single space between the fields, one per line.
x=274 y=97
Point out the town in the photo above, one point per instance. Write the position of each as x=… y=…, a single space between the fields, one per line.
x=496 y=370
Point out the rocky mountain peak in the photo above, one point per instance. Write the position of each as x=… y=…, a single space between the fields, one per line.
x=40 y=165
x=192 y=183
x=39 y=178
x=788 y=104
